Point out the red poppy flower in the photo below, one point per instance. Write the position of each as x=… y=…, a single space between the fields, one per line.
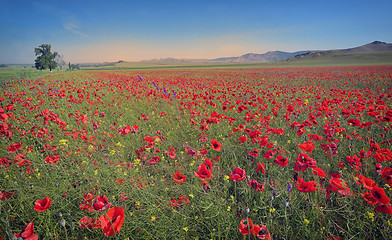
x=365 y=154
x=204 y=184
x=208 y=163
x=184 y=200
x=306 y=186
x=261 y=167
x=261 y=231
x=171 y=153
x=9 y=107
x=5 y=162
x=301 y=131
x=190 y=151
x=203 y=151
x=242 y=139
x=384 y=209
x=14 y=147
x=238 y=174
x=28 y=233
x=204 y=127
x=120 y=181
x=331 y=237
x=42 y=205
x=315 y=137
x=52 y=159
x=382 y=155
x=101 y=203
x=112 y=222
x=203 y=172
x=263 y=141
x=254 y=153
x=303 y=162
x=125 y=130
x=135 y=128
x=281 y=161
x=307 y=146
x=269 y=154
x=153 y=160
x=86 y=222
x=379 y=194
x=246 y=226
x=173 y=203
x=178 y=177
x=4 y=196
x=86 y=204
x=253 y=184
x=367 y=196
x=374 y=147
x=354 y=122
x=319 y=172
x=386 y=174
x=300 y=166
x=367 y=183
x=305 y=159
x=338 y=185
x=217 y=146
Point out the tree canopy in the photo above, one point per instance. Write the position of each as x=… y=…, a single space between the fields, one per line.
x=45 y=59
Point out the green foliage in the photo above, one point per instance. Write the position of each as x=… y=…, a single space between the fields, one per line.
x=73 y=66
x=45 y=59
x=48 y=120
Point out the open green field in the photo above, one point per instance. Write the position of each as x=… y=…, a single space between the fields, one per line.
x=330 y=59
x=248 y=151
x=335 y=58
x=22 y=71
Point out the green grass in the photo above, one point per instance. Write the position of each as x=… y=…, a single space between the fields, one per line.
x=23 y=71
x=95 y=156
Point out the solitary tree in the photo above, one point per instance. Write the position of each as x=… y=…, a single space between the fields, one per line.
x=45 y=59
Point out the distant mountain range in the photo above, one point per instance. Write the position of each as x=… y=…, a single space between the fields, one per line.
x=271 y=56
x=376 y=47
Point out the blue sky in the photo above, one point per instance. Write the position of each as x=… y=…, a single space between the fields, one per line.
x=112 y=30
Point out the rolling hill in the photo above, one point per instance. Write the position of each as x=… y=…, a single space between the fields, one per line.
x=376 y=52
x=271 y=56
x=372 y=53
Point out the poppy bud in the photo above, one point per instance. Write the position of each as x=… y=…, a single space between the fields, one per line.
x=247 y=210
x=62 y=222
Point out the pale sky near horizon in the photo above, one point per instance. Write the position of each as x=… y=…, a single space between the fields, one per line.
x=112 y=30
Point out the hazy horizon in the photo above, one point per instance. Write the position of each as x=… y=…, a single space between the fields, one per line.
x=102 y=31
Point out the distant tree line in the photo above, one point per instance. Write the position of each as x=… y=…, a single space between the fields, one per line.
x=73 y=66
x=3 y=65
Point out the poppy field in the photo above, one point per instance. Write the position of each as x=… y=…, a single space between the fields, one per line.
x=273 y=153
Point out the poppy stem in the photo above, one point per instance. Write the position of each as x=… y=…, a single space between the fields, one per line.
x=66 y=233
x=111 y=223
